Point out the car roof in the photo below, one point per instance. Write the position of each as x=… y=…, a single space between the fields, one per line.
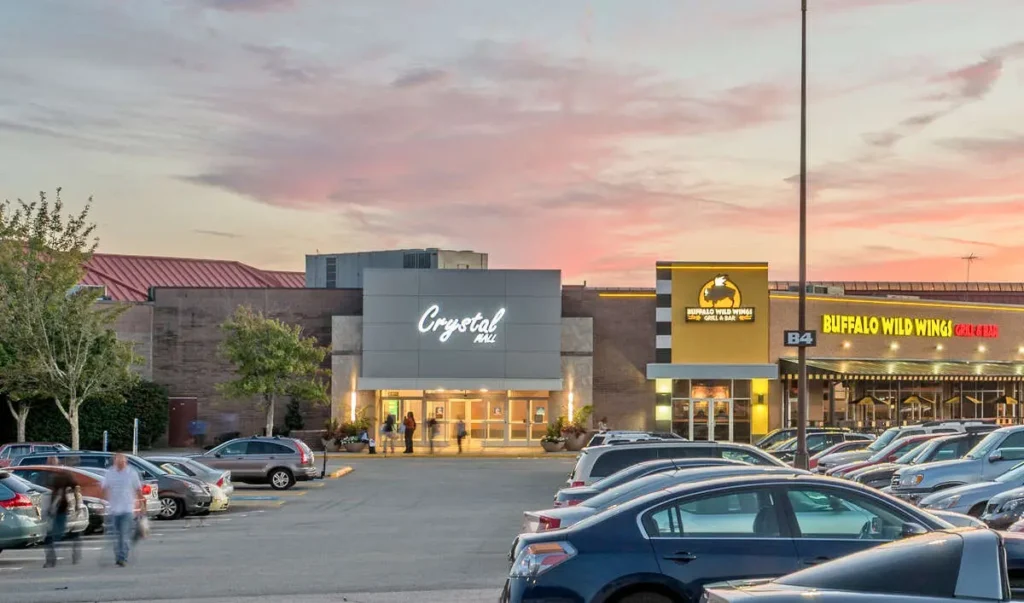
x=666 y=444
x=77 y=470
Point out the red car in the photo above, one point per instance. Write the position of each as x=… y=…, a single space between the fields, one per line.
x=9 y=452
x=847 y=446
x=886 y=455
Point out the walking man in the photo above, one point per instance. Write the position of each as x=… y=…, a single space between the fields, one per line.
x=460 y=433
x=63 y=499
x=123 y=490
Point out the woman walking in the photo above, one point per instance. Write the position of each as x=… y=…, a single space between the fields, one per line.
x=410 y=428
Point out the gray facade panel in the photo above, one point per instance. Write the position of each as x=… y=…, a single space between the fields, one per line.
x=447 y=320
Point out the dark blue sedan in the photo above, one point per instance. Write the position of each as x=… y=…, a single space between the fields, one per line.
x=666 y=546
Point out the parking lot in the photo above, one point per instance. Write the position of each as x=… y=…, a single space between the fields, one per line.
x=395 y=529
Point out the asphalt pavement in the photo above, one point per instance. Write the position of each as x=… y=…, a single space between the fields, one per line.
x=393 y=530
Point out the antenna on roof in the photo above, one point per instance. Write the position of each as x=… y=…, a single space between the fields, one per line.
x=970 y=259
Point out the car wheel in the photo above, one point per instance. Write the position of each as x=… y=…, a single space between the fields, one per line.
x=645 y=597
x=170 y=508
x=281 y=479
x=977 y=509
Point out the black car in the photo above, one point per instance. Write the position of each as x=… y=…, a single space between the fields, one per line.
x=939 y=449
x=666 y=546
x=179 y=495
x=816 y=442
x=568 y=497
x=777 y=436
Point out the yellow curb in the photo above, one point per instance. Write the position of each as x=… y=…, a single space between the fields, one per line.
x=341 y=472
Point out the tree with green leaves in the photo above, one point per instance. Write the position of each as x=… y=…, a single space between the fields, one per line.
x=62 y=340
x=272 y=359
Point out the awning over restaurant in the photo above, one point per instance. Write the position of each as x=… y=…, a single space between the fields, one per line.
x=903 y=370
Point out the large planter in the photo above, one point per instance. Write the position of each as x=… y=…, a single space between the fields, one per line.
x=576 y=442
x=355 y=447
x=551 y=446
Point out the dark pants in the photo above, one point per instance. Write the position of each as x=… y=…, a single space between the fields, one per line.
x=58 y=529
x=408 y=440
x=459 y=439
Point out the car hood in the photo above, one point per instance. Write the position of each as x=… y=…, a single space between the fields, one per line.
x=844 y=457
x=980 y=489
x=937 y=466
x=756 y=591
x=1008 y=495
x=881 y=467
x=959 y=520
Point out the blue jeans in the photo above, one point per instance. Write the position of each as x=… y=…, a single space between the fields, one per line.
x=122 y=530
x=58 y=526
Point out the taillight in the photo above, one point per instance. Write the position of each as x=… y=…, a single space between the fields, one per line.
x=302 y=456
x=146 y=489
x=538 y=558
x=572 y=503
x=548 y=523
x=577 y=485
x=220 y=483
x=19 y=501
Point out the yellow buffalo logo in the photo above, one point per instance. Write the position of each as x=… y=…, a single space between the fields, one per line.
x=720 y=292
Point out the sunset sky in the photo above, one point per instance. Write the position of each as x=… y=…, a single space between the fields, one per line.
x=592 y=136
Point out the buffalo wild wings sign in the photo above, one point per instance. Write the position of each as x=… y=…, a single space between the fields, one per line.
x=719 y=300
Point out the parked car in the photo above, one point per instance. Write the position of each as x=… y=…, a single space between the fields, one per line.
x=176 y=495
x=673 y=542
x=941 y=567
x=848 y=446
x=88 y=484
x=9 y=452
x=973 y=498
x=1004 y=509
x=994 y=455
x=562 y=517
x=21 y=518
x=568 y=497
x=890 y=453
x=599 y=462
x=605 y=437
x=816 y=442
x=776 y=436
x=78 y=512
x=218 y=480
x=943 y=448
x=277 y=461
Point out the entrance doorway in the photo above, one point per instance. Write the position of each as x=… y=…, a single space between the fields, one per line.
x=527 y=420
x=706 y=419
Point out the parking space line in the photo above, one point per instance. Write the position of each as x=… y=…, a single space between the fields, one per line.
x=10 y=569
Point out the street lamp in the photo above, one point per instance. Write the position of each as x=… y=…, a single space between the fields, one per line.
x=800 y=460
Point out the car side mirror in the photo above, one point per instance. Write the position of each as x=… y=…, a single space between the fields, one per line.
x=216 y=454
x=911 y=529
x=995 y=456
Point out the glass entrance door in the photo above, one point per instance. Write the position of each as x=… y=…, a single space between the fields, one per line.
x=705 y=419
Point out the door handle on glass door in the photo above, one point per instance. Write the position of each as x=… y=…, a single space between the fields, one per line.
x=680 y=557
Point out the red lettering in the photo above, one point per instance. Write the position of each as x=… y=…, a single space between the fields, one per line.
x=970 y=330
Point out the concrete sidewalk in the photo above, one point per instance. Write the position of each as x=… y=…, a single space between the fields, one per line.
x=419 y=452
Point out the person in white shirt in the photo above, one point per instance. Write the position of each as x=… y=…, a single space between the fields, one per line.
x=123 y=489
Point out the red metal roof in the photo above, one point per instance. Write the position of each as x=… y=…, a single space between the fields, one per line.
x=129 y=277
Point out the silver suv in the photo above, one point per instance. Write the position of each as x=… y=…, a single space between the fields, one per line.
x=277 y=461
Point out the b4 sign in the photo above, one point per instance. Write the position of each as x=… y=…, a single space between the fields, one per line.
x=800 y=339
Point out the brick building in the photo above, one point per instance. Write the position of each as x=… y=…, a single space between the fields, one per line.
x=644 y=358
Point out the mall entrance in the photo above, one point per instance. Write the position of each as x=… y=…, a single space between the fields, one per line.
x=508 y=418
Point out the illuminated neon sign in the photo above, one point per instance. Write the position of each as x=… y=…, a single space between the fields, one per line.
x=484 y=330
x=900 y=326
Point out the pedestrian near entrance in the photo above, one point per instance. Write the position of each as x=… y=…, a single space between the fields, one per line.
x=431 y=432
x=123 y=490
x=460 y=433
x=409 y=428
x=389 y=432
x=63 y=500
x=602 y=425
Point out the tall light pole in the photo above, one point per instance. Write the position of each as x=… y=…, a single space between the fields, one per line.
x=970 y=259
x=800 y=461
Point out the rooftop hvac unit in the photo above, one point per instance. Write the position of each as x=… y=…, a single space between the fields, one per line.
x=820 y=289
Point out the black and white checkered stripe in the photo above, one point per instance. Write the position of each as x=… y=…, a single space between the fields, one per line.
x=663 y=320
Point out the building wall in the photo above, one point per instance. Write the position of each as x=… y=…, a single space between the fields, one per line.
x=624 y=329
x=136 y=325
x=186 y=337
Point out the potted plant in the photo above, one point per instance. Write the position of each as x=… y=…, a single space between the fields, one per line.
x=553 y=440
x=576 y=432
x=329 y=436
x=349 y=435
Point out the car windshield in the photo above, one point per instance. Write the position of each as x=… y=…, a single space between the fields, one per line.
x=892 y=448
x=627 y=475
x=784 y=445
x=1015 y=475
x=985 y=446
x=147 y=466
x=883 y=440
x=919 y=450
x=169 y=468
